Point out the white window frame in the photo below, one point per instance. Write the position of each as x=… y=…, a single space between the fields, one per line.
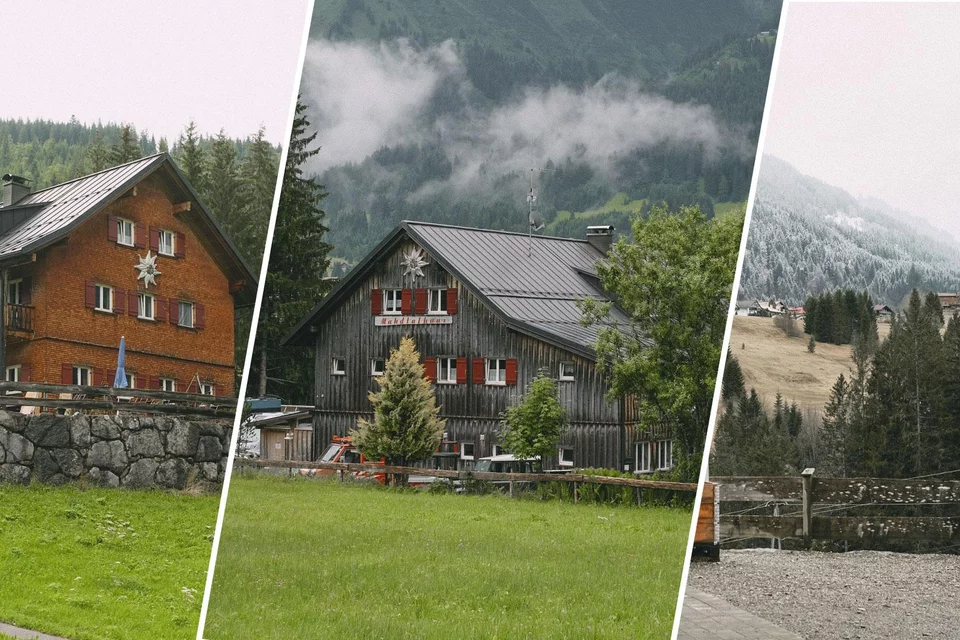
x=395 y=305
x=437 y=302
x=82 y=376
x=164 y=233
x=146 y=301
x=124 y=225
x=99 y=290
x=498 y=450
x=374 y=371
x=643 y=463
x=15 y=291
x=563 y=462
x=131 y=381
x=446 y=370
x=463 y=450
x=15 y=370
x=168 y=384
x=664 y=452
x=570 y=376
x=192 y=315
x=493 y=368
x=338 y=370
x=207 y=389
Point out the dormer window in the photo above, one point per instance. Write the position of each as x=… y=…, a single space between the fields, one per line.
x=125 y=232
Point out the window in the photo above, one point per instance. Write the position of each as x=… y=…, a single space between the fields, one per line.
x=13 y=373
x=103 y=297
x=15 y=291
x=446 y=371
x=168 y=384
x=339 y=367
x=566 y=456
x=664 y=454
x=81 y=375
x=392 y=301
x=131 y=381
x=378 y=367
x=567 y=372
x=186 y=314
x=165 y=245
x=643 y=456
x=124 y=232
x=498 y=450
x=466 y=450
x=145 y=306
x=497 y=371
x=206 y=389
x=438 y=301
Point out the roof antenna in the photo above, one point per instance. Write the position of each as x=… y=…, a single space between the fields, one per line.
x=535 y=220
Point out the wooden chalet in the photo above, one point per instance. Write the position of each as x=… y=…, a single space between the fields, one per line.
x=487 y=311
x=129 y=251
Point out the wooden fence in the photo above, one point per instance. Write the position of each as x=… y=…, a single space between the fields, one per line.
x=90 y=399
x=510 y=478
x=808 y=500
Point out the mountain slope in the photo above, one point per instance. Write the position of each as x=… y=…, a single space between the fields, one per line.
x=807 y=237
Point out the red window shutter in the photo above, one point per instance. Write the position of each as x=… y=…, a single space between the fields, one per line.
x=376 y=302
x=112 y=228
x=154 y=239
x=98 y=377
x=119 y=300
x=479 y=371
x=406 y=302
x=200 y=320
x=25 y=372
x=161 y=310
x=154 y=382
x=26 y=286
x=461 y=370
x=420 y=302
x=90 y=297
x=452 y=301
x=511 y=371
x=111 y=376
x=66 y=373
x=174 y=311
x=133 y=303
x=430 y=369
x=180 y=246
x=140 y=236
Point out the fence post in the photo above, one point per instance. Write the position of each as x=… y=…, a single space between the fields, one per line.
x=511 y=488
x=575 y=492
x=807 y=479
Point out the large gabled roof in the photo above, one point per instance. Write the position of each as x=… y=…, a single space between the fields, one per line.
x=56 y=211
x=532 y=283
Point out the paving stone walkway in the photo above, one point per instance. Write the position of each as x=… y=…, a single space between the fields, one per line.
x=707 y=616
x=17 y=632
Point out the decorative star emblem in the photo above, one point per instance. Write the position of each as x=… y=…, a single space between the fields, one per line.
x=413 y=263
x=148 y=269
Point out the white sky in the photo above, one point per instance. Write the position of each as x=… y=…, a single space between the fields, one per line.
x=224 y=63
x=867 y=98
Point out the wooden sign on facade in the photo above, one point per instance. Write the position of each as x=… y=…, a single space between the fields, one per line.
x=393 y=321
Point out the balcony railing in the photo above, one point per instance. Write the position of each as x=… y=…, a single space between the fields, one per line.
x=19 y=318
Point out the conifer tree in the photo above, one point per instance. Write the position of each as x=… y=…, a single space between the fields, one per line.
x=406 y=425
x=534 y=427
x=162 y=147
x=223 y=190
x=258 y=183
x=190 y=157
x=836 y=430
x=127 y=147
x=733 y=383
x=97 y=156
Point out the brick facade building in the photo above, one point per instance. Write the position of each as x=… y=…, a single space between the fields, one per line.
x=69 y=257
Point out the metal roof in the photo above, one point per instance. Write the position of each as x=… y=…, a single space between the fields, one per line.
x=532 y=283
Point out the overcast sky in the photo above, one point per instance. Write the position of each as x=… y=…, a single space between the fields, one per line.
x=224 y=63
x=867 y=99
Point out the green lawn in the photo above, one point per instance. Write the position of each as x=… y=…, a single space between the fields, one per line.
x=101 y=564
x=306 y=558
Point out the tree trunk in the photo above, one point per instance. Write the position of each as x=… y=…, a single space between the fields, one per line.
x=263 y=372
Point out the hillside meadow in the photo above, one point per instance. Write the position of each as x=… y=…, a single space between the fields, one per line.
x=310 y=558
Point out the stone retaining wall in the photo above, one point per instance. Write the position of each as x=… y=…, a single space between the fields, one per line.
x=114 y=451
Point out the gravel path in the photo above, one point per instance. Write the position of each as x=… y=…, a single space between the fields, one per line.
x=862 y=594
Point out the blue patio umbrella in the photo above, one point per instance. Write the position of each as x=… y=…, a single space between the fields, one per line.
x=120 y=380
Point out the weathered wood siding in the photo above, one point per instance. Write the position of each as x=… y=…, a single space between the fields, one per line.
x=471 y=410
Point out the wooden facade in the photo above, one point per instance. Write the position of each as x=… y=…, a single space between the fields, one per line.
x=602 y=433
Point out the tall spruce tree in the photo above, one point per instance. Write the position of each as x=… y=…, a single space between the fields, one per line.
x=97 y=154
x=258 y=178
x=190 y=157
x=836 y=430
x=127 y=148
x=222 y=194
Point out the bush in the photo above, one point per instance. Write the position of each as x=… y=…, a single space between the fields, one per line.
x=787 y=324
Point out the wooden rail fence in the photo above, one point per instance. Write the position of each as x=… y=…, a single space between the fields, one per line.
x=574 y=478
x=807 y=491
x=108 y=399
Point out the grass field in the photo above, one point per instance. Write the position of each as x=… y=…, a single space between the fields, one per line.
x=314 y=559
x=104 y=564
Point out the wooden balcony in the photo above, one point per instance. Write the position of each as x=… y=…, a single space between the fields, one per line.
x=19 y=318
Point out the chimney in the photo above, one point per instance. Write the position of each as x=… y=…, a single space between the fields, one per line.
x=600 y=237
x=13 y=190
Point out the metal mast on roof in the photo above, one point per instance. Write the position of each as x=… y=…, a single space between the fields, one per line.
x=534 y=218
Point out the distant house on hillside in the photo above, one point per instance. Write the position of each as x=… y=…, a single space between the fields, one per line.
x=950 y=301
x=798 y=313
x=747 y=308
x=883 y=313
x=769 y=308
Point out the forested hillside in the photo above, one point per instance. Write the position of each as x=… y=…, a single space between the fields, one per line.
x=618 y=105
x=807 y=237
